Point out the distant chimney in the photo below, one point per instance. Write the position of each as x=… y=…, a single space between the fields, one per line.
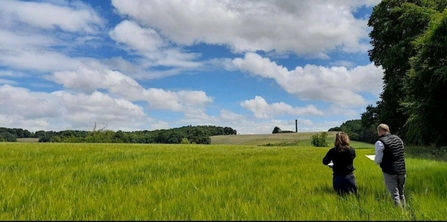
x=296 y=125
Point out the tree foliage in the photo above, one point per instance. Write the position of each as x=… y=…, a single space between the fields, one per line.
x=319 y=140
x=11 y=134
x=404 y=45
x=427 y=85
x=395 y=25
x=276 y=130
x=186 y=134
x=337 y=128
x=357 y=131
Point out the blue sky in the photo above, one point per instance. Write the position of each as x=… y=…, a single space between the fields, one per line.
x=159 y=64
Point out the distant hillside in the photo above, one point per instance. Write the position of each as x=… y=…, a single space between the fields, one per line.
x=304 y=139
x=261 y=139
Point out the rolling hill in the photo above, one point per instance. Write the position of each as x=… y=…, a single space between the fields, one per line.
x=302 y=139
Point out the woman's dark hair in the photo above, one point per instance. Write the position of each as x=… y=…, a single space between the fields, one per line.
x=341 y=141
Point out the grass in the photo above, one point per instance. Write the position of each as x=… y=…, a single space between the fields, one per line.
x=429 y=153
x=201 y=182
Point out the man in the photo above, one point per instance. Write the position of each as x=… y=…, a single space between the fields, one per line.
x=390 y=156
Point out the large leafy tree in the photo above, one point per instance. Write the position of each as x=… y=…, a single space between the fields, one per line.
x=395 y=26
x=427 y=86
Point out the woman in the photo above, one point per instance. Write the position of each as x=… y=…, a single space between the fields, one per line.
x=342 y=156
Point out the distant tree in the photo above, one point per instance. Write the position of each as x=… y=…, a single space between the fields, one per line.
x=357 y=132
x=352 y=128
x=287 y=131
x=276 y=130
x=319 y=140
x=185 y=141
x=337 y=128
x=229 y=131
x=198 y=135
x=193 y=134
x=175 y=137
x=120 y=137
x=8 y=137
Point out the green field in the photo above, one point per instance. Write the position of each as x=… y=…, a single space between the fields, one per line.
x=50 y=181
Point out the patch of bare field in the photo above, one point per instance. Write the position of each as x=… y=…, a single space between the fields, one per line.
x=260 y=139
x=28 y=140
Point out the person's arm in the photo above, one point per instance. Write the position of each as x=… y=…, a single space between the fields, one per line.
x=328 y=158
x=379 y=152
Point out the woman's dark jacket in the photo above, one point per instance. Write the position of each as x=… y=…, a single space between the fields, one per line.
x=343 y=161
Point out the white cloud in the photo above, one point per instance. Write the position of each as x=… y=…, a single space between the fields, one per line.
x=137 y=38
x=50 y=16
x=90 y=79
x=229 y=115
x=10 y=40
x=261 y=109
x=304 y=27
x=63 y=110
x=9 y=73
x=137 y=71
x=334 y=110
x=175 y=101
x=345 y=63
x=32 y=51
x=336 y=85
x=148 y=43
x=39 y=60
x=48 y=34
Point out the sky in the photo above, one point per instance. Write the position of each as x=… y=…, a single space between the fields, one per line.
x=136 y=65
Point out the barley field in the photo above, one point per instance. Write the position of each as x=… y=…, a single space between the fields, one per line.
x=74 y=181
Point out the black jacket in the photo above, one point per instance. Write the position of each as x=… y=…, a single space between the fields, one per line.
x=343 y=161
x=393 y=161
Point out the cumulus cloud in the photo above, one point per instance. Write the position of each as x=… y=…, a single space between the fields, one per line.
x=90 y=79
x=261 y=109
x=337 y=85
x=304 y=27
x=148 y=43
x=137 y=38
x=42 y=30
x=175 y=101
x=49 y=16
x=62 y=110
x=9 y=73
x=229 y=115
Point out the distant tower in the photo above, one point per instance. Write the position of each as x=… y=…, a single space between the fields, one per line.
x=296 y=125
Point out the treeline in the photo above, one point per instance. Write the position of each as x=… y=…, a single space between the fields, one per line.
x=408 y=39
x=356 y=131
x=185 y=134
x=11 y=134
x=278 y=130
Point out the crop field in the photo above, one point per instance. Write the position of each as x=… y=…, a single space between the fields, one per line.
x=81 y=181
